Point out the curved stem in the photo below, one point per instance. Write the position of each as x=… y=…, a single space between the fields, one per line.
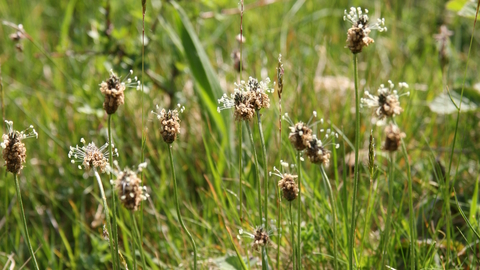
x=257 y=173
x=114 y=207
x=178 y=208
x=386 y=233
x=351 y=238
x=299 y=215
x=139 y=240
x=107 y=216
x=25 y=228
x=334 y=214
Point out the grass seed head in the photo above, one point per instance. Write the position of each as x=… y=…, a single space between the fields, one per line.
x=14 y=151
x=393 y=137
x=317 y=153
x=261 y=238
x=357 y=35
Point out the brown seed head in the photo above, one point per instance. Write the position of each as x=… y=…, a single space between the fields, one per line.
x=14 y=151
x=113 y=90
x=289 y=187
x=393 y=137
x=90 y=156
x=300 y=136
x=129 y=189
x=386 y=103
x=170 y=123
x=357 y=35
x=261 y=238
x=316 y=153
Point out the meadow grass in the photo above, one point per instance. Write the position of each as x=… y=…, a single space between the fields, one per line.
x=54 y=85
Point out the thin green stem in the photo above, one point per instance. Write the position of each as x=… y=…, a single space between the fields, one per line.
x=107 y=217
x=334 y=214
x=178 y=208
x=447 y=178
x=351 y=238
x=411 y=215
x=25 y=227
x=257 y=173
x=144 y=136
x=139 y=240
x=279 y=224
x=240 y=169
x=386 y=233
x=369 y=213
x=292 y=230
x=299 y=215
x=134 y=244
x=116 y=258
x=265 y=169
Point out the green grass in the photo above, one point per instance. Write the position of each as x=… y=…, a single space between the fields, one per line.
x=53 y=85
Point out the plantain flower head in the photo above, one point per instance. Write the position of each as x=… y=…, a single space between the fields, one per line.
x=357 y=35
x=14 y=151
x=90 y=156
x=386 y=103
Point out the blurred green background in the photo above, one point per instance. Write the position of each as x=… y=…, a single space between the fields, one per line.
x=52 y=81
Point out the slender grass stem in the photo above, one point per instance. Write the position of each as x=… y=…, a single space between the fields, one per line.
x=334 y=214
x=107 y=217
x=114 y=207
x=292 y=230
x=134 y=254
x=25 y=227
x=178 y=209
x=265 y=169
x=279 y=224
x=367 y=216
x=299 y=215
x=386 y=233
x=240 y=169
x=257 y=173
x=139 y=240
x=459 y=108
x=351 y=238
x=411 y=216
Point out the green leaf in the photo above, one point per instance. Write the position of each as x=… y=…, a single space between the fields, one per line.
x=465 y=218
x=464 y=8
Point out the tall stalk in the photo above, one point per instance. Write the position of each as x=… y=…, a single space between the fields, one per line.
x=240 y=169
x=459 y=108
x=299 y=215
x=24 y=221
x=386 y=233
x=292 y=229
x=351 y=238
x=107 y=217
x=334 y=214
x=178 y=209
x=279 y=224
x=259 y=189
x=411 y=211
x=138 y=240
x=257 y=173
x=114 y=208
x=265 y=168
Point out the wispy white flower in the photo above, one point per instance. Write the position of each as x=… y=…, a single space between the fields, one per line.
x=386 y=103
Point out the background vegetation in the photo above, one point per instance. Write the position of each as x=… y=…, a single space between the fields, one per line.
x=54 y=85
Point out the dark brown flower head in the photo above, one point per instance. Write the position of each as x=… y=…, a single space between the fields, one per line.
x=113 y=90
x=261 y=238
x=301 y=133
x=14 y=151
x=316 y=153
x=393 y=137
x=90 y=156
x=258 y=93
x=170 y=123
x=300 y=136
x=357 y=35
x=386 y=103
x=129 y=188
x=287 y=183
